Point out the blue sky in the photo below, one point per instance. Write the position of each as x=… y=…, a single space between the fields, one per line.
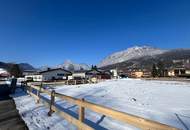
x=47 y=32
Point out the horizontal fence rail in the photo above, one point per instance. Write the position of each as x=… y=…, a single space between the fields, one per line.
x=139 y=122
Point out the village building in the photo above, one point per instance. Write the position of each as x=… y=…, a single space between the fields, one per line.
x=114 y=73
x=29 y=72
x=80 y=74
x=139 y=73
x=147 y=74
x=34 y=77
x=49 y=75
x=4 y=74
x=136 y=74
x=187 y=72
x=55 y=74
x=124 y=73
x=96 y=74
x=179 y=72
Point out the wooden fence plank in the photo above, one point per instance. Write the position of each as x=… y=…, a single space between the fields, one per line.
x=124 y=117
x=73 y=120
x=133 y=120
x=68 y=117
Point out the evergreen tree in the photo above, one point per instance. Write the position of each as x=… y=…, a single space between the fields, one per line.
x=160 y=66
x=154 y=71
x=92 y=67
x=15 y=71
x=95 y=67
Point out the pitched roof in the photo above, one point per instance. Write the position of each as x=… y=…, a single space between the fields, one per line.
x=49 y=70
x=80 y=71
x=98 y=71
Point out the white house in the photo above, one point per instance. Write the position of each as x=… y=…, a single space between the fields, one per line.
x=48 y=75
x=29 y=72
x=81 y=74
x=36 y=78
x=187 y=72
x=55 y=74
x=178 y=72
x=114 y=73
x=4 y=73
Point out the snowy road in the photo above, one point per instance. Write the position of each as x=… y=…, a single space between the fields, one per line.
x=163 y=101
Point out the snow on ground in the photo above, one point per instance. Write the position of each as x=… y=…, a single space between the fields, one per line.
x=163 y=101
x=35 y=115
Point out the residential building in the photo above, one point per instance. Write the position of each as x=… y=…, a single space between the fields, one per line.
x=80 y=74
x=29 y=72
x=49 y=75
x=139 y=73
x=55 y=74
x=114 y=73
x=35 y=78
x=98 y=74
x=178 y=71
x=4 y=74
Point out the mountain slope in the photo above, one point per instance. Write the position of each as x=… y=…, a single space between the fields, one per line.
x=130 y=53
x=26 y=66
x=23 y=66
x=170 y=58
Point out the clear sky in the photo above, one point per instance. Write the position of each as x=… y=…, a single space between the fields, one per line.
x=47 y=32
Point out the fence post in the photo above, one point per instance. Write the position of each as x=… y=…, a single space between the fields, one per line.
x=81 y=112
x=26 y=86
x=30 y=90
x=75 y=82
x=38 y=93
x=52 y=102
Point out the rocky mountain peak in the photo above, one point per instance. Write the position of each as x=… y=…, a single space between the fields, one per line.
x=69 y=65
x=130 y=53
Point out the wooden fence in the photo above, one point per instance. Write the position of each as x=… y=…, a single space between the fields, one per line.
x=139 y=122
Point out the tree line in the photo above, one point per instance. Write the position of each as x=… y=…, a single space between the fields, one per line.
x=158 y=70
x=15 y=70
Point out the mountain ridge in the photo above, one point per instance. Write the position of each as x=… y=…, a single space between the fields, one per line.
x=23 y=66
x=69 y=65
x=130 y=53
x=171 y=58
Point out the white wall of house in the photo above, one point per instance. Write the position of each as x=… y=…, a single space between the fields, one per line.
x=171 y=73
x=70 y=77
x=187 y=72
x=37 y=78
x=79 y=74
x=57 y=74
x=114 y=72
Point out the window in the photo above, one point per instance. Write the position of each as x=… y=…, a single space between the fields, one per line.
x=59 y=74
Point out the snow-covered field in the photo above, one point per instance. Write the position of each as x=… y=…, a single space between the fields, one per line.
x=163 y=101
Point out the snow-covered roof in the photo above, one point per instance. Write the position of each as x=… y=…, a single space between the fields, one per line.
x=2 y=70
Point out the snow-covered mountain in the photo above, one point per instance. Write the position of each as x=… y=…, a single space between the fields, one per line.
x=43 y=68
x=130 y=53
x=69 y=65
